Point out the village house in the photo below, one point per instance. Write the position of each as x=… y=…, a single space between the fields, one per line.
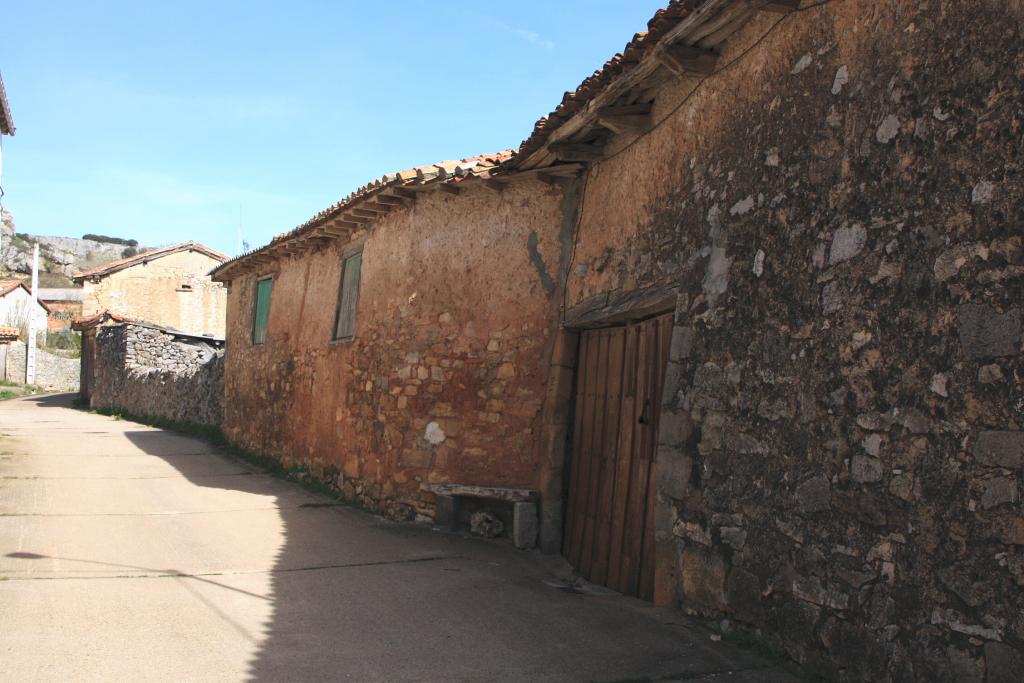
x=168 y=286
x=372 y=344
x=64 y=305
x=18 y=308
x=743 y=312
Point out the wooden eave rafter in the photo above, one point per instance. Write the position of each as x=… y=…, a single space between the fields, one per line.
x=363 y=212
x=575 y=151
x=403 y=193
x=704 y=29
x=683 y=60
x=781 y=6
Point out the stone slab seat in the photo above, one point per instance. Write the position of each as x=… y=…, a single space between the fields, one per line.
x=524 y=508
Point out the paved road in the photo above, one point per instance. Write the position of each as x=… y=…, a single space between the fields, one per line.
x=132 y=553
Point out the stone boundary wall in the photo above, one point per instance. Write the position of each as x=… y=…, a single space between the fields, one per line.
x=53 y=372
x=148 y=371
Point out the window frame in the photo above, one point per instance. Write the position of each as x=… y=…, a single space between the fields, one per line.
x=347 y=254
x=255 y=309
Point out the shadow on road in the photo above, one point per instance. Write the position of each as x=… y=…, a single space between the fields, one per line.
x=332 y=592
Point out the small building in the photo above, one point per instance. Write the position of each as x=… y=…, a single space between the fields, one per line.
x=399 y=338
x=170 y=287
x=18 y=309
x=64 y=304
x=145 y=369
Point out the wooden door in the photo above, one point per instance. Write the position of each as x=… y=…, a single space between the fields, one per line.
x=609 y=535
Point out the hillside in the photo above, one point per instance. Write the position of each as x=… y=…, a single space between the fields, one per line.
x=59 y=257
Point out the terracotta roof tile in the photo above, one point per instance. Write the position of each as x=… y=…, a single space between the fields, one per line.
x=448 y=171
x=631 y=55
x=146 y=256
x=87 y=322
x=8 y=286
x=9 y=334
x=641 y=45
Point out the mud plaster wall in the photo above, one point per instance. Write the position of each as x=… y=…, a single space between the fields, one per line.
x=444 y=381
x=153 y=292
x=841 y=449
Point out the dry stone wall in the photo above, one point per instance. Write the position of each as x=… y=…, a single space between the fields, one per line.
x=147 y=371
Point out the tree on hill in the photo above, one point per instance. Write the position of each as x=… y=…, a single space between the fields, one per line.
x=111 y=240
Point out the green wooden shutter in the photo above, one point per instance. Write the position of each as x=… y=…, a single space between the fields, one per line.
x=262 y=311
x=348 y=297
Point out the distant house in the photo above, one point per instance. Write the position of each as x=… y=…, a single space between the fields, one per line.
x=64 y=305
x=17 y=307
x=169 y=287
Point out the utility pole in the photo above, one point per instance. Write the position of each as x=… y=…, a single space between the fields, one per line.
x=30 y=347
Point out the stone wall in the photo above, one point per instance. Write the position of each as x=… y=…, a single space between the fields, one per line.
x=148 y=372
x=54 y=372
x=841 y=444
x=445 y=378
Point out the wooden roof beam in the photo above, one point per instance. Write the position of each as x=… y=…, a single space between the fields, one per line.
x=573 y=151
x=336 y=230
x=364 y=213
x=683 y=60
x=403 y=193
x=780 y=6
x=341 y=223
x=553 y=180
x=391 y=200
x=624 y=123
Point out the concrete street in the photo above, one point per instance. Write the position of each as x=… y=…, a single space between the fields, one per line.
x=133 y=553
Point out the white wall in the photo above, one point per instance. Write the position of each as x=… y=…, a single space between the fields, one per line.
x=15 y=308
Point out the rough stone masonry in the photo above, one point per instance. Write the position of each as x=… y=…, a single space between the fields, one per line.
x=150 y=372
x=842 y=448
x=837 y=215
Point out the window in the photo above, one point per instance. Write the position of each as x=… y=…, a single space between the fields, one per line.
x=348 y=297
x=261 y=311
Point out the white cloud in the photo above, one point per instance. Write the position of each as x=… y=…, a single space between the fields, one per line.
x=533 y=37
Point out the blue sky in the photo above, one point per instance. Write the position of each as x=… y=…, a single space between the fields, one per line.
x=162 y=122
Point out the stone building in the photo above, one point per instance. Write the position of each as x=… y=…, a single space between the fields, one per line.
x=169 y=287
x=64 y=304
x=372 y=344
x=745 y=309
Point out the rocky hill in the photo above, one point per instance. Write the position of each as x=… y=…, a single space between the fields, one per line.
x=59 y=257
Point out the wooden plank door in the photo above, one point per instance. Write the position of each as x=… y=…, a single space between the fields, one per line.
x=609 y=535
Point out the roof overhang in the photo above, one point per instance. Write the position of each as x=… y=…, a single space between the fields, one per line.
x=358 y=212
x=6 y=120
x=100 y=272
x=682 y=43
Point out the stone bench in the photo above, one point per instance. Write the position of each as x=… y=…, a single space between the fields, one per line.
x=524 y=508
